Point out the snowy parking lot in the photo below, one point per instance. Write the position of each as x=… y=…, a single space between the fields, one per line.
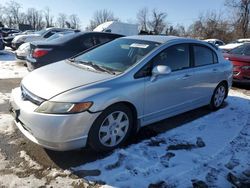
x=196 y=149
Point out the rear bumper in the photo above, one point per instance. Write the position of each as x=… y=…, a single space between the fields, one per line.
x=32 y=64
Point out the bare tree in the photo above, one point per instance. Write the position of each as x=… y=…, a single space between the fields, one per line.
x=242 y=15
x=48 y=17
x=178 y=30
x=142 y=17
x=61 y=20
x=211 y=25
x=12 y=11
x=35 y=18
x=157 y=23
x=74 y=21
x=99 y=17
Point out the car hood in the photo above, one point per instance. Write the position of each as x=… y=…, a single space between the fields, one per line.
x=26 y=36
x=56 y=78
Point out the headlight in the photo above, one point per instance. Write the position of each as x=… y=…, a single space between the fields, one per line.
x=245 y=67
x=48 y=107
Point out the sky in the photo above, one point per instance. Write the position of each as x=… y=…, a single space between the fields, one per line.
x=178 y=11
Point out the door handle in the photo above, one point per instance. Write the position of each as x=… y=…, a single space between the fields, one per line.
x=215 y=70
x=186 y=76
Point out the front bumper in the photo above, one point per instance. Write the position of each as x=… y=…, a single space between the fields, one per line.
x=241 y=76
x=52 y=131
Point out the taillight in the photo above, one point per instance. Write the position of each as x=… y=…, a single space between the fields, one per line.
x=37 y=53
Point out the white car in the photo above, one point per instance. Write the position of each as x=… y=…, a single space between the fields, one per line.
x=22 y=51
x=233 y=44
x=39 y=35
x=216 y=42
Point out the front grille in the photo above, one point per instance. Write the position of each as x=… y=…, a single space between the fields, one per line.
x=27 y=95
x=246 y=77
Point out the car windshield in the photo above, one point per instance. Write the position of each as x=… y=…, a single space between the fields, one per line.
x=238 y=50
x=117 y=55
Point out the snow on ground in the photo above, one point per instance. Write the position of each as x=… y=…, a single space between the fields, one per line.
x=206 y=149
x=9 y=67
x=6 y=124
x=4 y=97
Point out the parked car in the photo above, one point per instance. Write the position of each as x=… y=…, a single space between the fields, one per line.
x=102 y=95
x=1 y=42
x=216 y=42
x=126 y=29
x=240 y=57
x=8 y=40
x=47 y=52
x=23 y=50
x=7 y=31
x=233 y=45
x=39 y=35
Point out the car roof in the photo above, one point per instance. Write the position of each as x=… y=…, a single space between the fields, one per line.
x=159 y=38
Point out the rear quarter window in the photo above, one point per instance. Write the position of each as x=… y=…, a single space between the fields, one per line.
x=204 y=56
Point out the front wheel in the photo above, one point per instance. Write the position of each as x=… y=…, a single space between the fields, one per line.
x=218 y=97
x=112 y=128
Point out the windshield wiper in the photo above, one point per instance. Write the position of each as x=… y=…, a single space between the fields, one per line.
x=95 y=66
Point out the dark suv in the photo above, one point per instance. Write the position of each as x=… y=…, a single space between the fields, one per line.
x=46 y=52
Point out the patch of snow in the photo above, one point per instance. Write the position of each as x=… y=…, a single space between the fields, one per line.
x=6 y=124
x=31 y=163
x=4 y=97
x=198 y=150
x=12 y=181
x=9 y=67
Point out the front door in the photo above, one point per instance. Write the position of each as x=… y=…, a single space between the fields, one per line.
x=169 y=94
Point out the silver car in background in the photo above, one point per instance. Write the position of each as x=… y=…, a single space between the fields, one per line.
x=105 y=94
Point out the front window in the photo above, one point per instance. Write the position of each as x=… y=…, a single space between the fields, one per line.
x=117 y=55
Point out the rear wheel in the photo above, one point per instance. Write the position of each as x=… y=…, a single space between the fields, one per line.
x=219 y=96
x=112 y=128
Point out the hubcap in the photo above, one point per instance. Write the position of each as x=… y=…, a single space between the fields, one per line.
x=219 y=96
x=114 y=128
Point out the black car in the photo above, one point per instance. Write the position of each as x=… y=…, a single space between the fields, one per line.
x=7 y=31
x=46 y=52
x=1 y=42
x=8 y=40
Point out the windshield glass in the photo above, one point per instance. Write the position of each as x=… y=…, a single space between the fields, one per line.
x=238 y=50
x=118 y=55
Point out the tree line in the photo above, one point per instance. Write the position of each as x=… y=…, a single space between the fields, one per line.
x=211 y=24
x=11 y=15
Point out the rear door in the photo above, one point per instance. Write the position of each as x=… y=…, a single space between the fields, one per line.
x=206 y=72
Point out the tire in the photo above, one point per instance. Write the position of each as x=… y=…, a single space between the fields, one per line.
x=219 y=95
x=111 y=129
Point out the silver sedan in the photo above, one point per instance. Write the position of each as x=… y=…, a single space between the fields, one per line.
x=106 y=94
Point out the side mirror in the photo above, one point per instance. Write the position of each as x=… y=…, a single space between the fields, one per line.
x=160 y=70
